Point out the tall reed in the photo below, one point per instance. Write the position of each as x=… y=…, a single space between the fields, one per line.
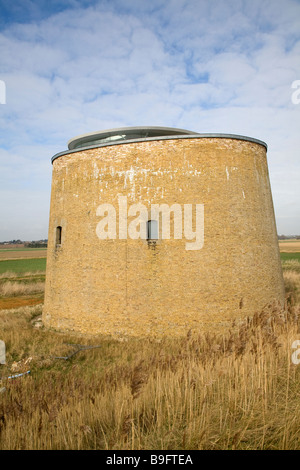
x=239 y=390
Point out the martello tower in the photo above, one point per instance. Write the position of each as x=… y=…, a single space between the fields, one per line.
x=152 y=284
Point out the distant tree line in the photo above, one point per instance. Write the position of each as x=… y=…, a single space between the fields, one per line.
x=32 y=244
x=37 y=244
x=286 y=237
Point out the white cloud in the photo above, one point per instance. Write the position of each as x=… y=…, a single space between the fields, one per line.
x=208 y=66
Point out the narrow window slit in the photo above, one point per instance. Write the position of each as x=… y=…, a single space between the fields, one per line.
x=58 y=235
x=152 y=230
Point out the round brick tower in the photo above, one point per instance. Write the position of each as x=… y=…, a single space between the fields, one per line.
x=207 y=254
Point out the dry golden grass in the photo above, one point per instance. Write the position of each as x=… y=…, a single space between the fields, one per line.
x=292 y=283
x=8 y=288
x=13 y=275
x=236 y=391
x=291 y=265
x=289 y=246
x=21 y=289
x=23 y=254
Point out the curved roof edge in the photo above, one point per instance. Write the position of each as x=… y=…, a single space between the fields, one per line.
x=124 y=133
x=167 y=133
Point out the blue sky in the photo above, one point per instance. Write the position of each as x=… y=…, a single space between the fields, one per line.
x=72 y=67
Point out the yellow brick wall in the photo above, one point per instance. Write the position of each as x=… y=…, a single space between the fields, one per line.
x=129 y=288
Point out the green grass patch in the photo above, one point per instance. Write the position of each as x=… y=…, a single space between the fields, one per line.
x=288 y=256
x=290 y=262
x=23 y=249
x=23 y=265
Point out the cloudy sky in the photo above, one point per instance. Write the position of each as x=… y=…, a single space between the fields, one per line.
x=77 y=66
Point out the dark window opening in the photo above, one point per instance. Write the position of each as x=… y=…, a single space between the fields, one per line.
x=152 y=230
x=58 y=235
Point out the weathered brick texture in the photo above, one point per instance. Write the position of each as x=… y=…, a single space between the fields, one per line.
x=130 y=288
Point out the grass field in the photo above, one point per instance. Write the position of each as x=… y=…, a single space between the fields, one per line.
x=22 y=254
x=22 y=260
x=236 y=391
x=23 y=265
x=21 y=249
x=289 y=246
x=39 y=264
x=22 y=282
x=289 y=256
